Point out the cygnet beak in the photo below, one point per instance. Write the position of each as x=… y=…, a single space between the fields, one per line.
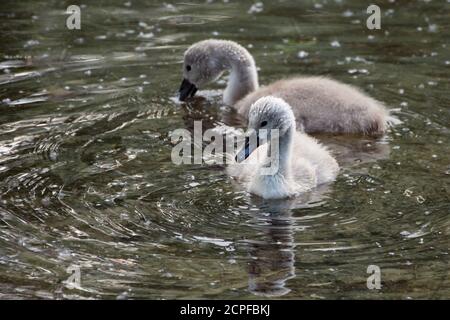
x=187 y=89
x=250 y=145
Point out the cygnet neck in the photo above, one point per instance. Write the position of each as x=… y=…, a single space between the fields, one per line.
x=243 y=75
x=283 y=157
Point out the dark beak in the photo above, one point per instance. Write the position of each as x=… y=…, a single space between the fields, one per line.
x=187 y=90
x=248 y=149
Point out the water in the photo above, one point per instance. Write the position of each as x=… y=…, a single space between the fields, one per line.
x=86 y=178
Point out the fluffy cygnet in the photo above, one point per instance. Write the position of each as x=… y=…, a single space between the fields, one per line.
x=319 y=104
x=287 y=162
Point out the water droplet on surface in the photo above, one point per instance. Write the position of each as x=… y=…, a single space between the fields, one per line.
x=302 y=54
x=335 y=44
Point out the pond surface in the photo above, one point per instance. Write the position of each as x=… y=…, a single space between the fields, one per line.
x=87 y=182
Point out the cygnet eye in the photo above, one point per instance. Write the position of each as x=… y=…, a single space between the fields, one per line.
x=263 y=124
x=188 y=68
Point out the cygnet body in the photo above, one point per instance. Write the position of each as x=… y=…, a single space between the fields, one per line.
x=319 y=104
x=297 y=164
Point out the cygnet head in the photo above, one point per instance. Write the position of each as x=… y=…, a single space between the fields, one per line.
x=268 y=113
x=271 y=113
x=202 y=65
x=205 y=61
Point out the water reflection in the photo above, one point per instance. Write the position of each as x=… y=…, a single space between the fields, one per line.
x=272 y=260
x=272 y=257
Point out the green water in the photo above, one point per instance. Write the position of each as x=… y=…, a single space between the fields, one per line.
x=86 y=177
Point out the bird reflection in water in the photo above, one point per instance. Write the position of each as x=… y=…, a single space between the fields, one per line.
x=272 y=261
x=272 y=257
